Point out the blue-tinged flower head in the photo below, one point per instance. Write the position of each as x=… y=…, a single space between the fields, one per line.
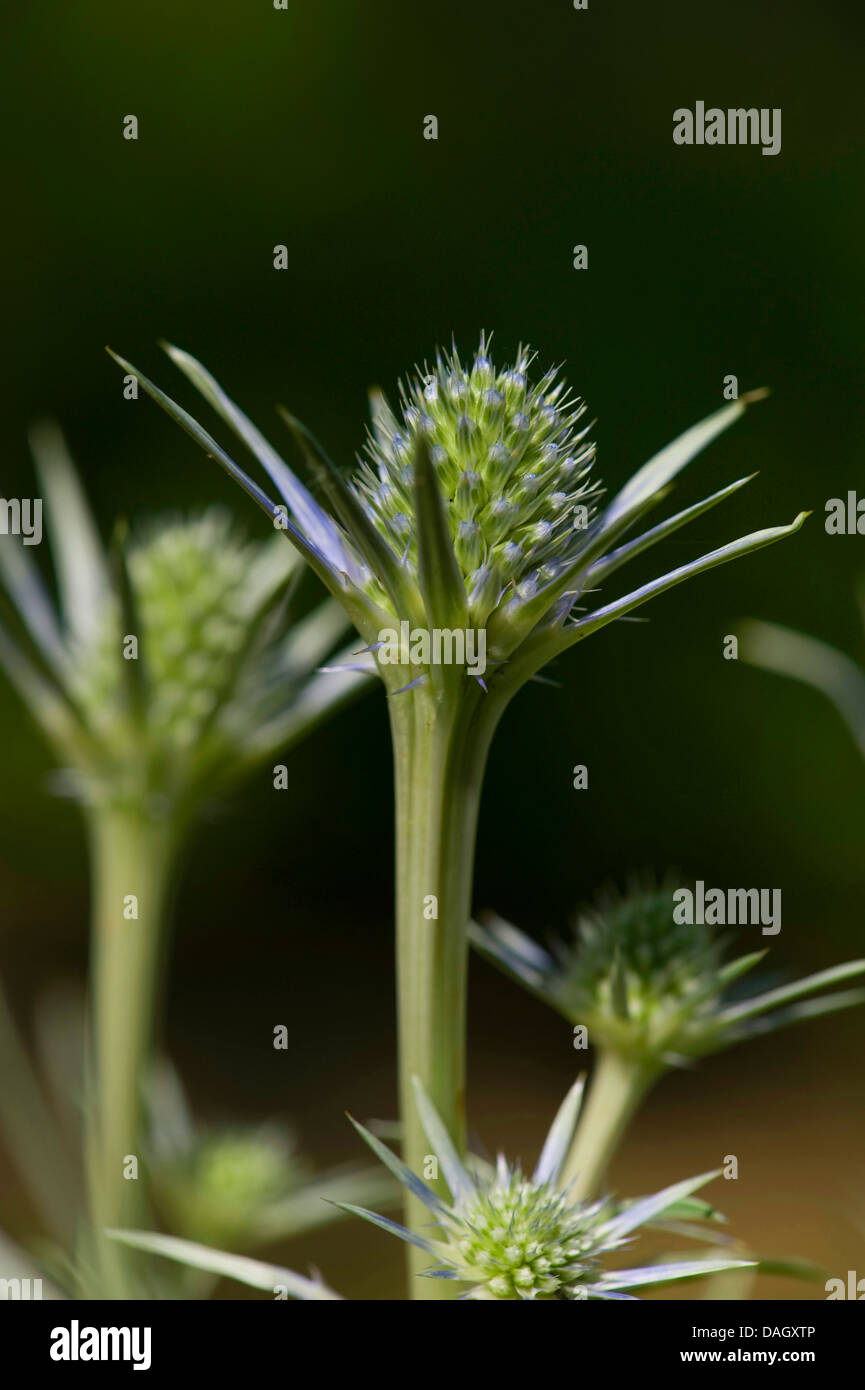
x=475 y=507
x=167 y=667
x=512 y=460
x=506 y=1235
x=654 y=990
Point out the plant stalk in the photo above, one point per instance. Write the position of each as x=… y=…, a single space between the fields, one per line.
x=617 y=1089
x=440 y=752
x=133 y=857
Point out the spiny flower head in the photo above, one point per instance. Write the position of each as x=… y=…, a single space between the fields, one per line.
x=189 y=580
x=167 y=669
x=509 y=1236
x=652 y=989
x=244 y=1187
x=511 y=461
x=518 y=1238
x=474 y=508
x=222 y=1186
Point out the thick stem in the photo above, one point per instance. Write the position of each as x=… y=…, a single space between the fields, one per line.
x=617 y=1088
x=439 y=755
x=132 y=857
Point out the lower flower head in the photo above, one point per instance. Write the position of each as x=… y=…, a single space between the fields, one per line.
x=508 y=1236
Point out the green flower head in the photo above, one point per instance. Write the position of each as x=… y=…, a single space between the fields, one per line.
x=510 y=1236
x=167 y=668
x=651 y=989
x=513 y=464
x=223 y=1187
x=476 y=506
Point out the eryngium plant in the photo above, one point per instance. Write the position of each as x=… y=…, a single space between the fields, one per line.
x=652 y=994
x=510 y=1236
x=166 y=673
x=475 y=508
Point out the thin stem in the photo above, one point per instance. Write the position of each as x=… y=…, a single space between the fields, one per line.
x=618 y=1087
x=440 y=752
x=132 y=857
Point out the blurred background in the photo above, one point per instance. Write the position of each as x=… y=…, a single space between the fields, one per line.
x=304 y=127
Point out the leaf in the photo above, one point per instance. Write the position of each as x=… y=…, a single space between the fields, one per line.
x=647 y=1208
x=797 y=1013
x=616 y=558
x=558 y=1141
x=667 y=1273
x=34 y=608
x=663 y=467
x=313 y=1205
x=376 y=552
x=456 y=1177
x=392 y=1227
x=315 y=522
x=400 y=1170
x=332 y=577
x=797 y=989
x=732 y=551
x=506 y=946
x=319 y=697
x=135 y=673
x=439 y=574
x=816 y=663
x=79 y=560
x=15 y=1263
x=255 y=1273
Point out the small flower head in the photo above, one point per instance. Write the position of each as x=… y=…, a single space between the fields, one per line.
x=652 y=989
x=509 y=1236
x=222 y=1188
x=512 y=462
x=243 y=1187
x=167 y=669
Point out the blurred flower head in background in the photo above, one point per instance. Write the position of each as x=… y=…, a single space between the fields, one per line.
x=168 y=667
x=651 y=989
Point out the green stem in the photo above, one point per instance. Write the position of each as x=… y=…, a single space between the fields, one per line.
x=617 y=1089
x=440 y=752
x=132 y=857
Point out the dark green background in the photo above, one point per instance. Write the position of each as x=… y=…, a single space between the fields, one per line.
x=304 y=127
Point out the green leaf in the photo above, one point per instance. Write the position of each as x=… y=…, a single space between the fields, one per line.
x=255 y=1273
x=135 y=673
x=392 y=1227
x=647 y=1208
x=458 y=1180
x=311 y=519
x=400 y=1170
x=786 y=994
x=79 y=560
x=314 y=1206
x=667 y=1273
x=33 y=608
x=558 y=1140
x=663 y=467
x=797 y=1013
x=373 y=547
x=439 y=574
x=616 y=558
x=816 y=663
x=733 y=551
